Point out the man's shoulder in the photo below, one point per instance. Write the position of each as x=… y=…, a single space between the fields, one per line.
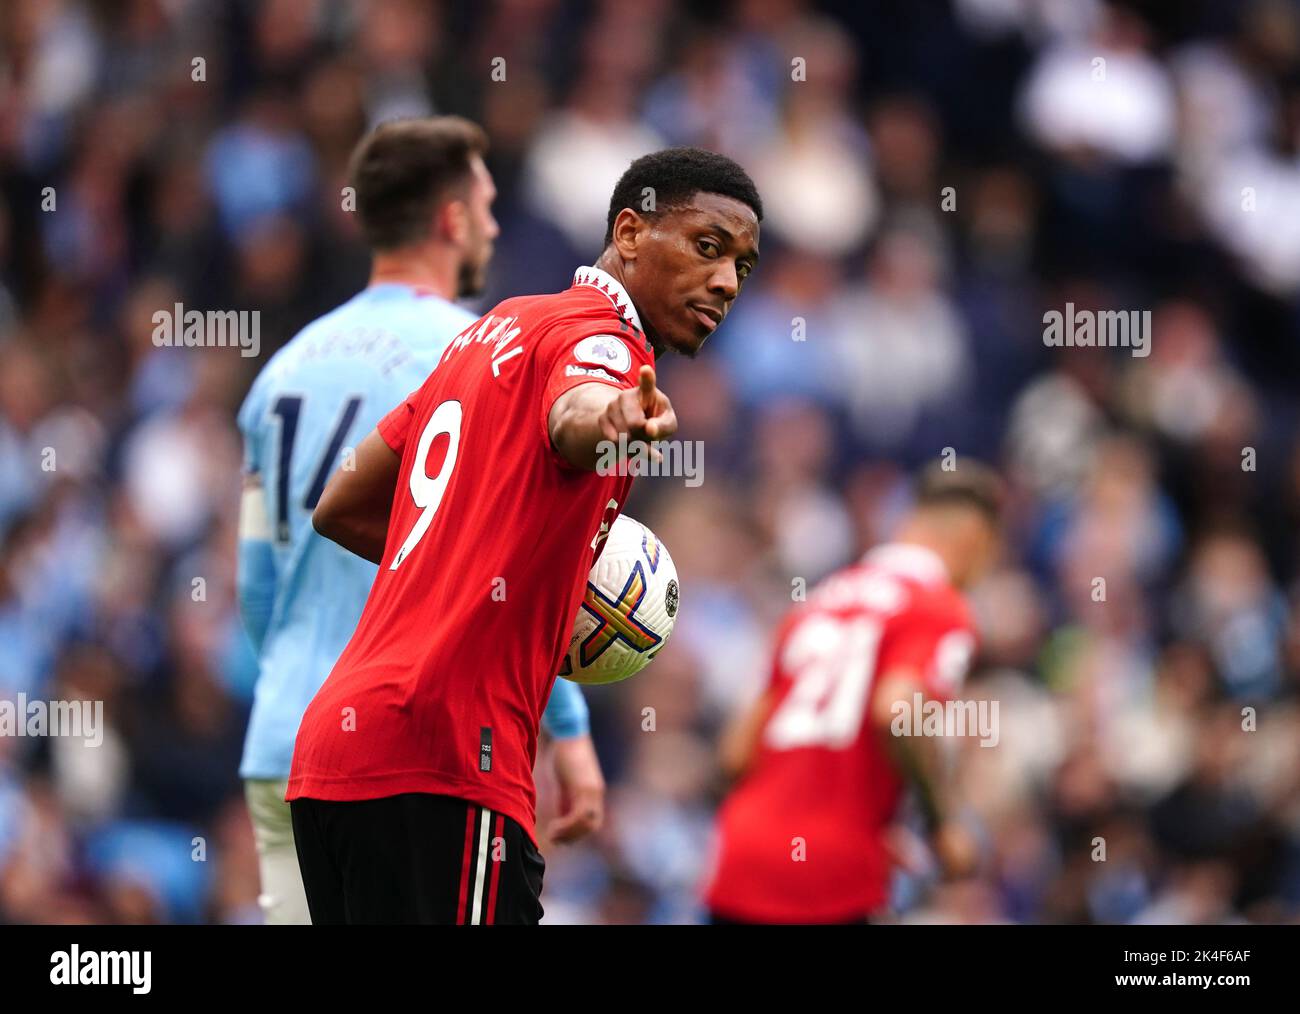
x=939 y=605
x=540 y=306
x=896 y=592
x=398 y=342
x=284 y=359
x=582 y=321
x=538 y=318
x=582 y=301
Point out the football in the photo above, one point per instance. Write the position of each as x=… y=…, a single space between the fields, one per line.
x=629 y=609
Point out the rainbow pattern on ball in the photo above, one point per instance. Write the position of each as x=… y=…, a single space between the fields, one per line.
x=616 y=618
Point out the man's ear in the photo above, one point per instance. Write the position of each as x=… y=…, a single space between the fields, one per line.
x=629 y=227
x=452 y=223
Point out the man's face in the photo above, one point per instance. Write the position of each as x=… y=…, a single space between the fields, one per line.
x=688 y=264
x=483 y=229
x=980 y=542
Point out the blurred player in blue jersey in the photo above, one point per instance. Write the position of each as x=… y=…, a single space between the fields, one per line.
x=423 y=197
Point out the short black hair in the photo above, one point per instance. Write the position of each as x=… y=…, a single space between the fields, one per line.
x=403 y=169
x=967 y=483
x=675 y=175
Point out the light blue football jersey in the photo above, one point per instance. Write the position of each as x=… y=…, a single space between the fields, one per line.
x=314 y=401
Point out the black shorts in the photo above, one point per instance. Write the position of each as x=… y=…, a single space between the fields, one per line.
x=415 y=858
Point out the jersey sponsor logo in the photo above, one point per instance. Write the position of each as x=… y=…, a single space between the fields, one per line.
x=604 y=350
x=573 y=370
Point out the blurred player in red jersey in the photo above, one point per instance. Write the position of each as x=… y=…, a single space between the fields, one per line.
x=804 y=836
x=411 y=788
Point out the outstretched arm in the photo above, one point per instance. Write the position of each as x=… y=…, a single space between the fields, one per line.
x=588 y=414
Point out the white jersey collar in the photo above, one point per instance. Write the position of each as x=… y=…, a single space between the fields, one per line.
x=608 y=284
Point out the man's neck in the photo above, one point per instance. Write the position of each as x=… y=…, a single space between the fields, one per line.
x=612 y=264
x=421 y=269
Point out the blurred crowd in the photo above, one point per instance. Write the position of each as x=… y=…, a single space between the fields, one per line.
x=937 y=175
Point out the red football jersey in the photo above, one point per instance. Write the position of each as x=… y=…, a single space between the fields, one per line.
x=801 y=837
x=490 y=541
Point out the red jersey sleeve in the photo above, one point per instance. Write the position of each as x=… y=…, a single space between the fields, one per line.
x=395 y=426
x=936 y=640
x=571 y=357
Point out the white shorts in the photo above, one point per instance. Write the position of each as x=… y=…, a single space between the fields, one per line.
x=283 y=900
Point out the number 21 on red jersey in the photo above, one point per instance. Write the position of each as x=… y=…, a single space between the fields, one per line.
x=831 y=661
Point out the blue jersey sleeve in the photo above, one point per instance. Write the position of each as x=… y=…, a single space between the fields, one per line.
x=255 y=588
x=251 y=419
x=566 y=715
x=255 y=578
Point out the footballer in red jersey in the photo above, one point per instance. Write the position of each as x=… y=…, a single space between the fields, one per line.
x=411 y=788
x=803 y=838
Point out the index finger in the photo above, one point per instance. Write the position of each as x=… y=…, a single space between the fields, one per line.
x=646 y=385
